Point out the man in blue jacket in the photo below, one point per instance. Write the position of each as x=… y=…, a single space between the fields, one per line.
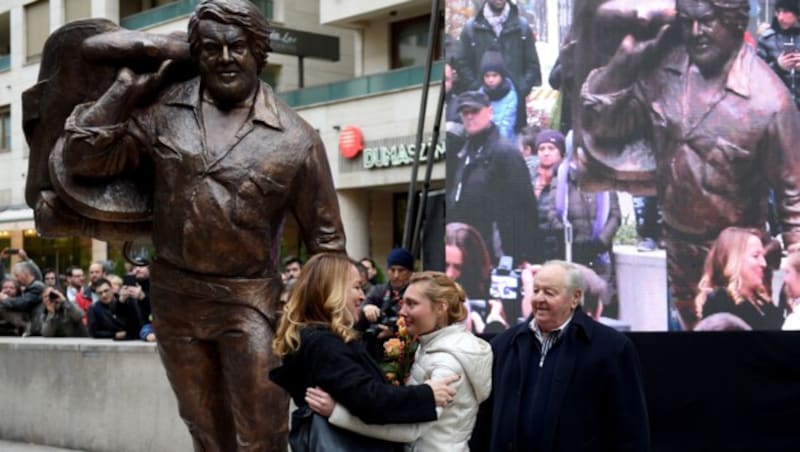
x=563 y=382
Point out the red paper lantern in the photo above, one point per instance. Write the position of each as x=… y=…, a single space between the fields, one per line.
x=351 y=141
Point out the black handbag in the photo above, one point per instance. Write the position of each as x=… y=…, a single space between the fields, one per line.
x=313 y=433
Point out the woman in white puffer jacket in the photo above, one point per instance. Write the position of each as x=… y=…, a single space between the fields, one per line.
x=433 y=308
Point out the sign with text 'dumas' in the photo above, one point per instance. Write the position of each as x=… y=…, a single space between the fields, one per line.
x=396 y=152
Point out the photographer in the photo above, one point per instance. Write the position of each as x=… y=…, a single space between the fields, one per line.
x=25 y=310
x=114 y=318
x=61 y=317
x=779 y=46
x=378 y=317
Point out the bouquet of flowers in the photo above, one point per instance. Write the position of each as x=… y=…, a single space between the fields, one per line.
x=398 y=355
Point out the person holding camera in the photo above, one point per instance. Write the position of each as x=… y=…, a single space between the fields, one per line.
x=378 y=317
x=111 y=317
x=61 y=317
x=25 y=310
x=779 y=46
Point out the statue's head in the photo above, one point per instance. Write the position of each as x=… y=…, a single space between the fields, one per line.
x=229 y=41
x=712 y=30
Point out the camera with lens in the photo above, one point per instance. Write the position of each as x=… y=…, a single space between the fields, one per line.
x=388 y=319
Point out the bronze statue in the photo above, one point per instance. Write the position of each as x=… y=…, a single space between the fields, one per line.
x=213 y=163
x=718 y=125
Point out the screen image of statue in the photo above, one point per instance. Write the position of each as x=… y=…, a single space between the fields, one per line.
x=653 y=143
x=174 y=139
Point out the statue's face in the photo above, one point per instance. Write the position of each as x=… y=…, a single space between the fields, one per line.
x=228 y=68
x=708 y=41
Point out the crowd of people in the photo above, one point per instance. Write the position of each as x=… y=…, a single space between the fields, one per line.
x=36 y=302
x=516 y=194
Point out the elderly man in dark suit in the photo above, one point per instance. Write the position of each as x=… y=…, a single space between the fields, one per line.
x=563 y=382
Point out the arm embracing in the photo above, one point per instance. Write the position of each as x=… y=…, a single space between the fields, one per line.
x=398 y=433
x=402 y=433
x=338 y=370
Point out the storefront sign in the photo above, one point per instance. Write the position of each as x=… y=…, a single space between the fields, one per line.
x=351 y=142
x=304 y=44
x=398 y=152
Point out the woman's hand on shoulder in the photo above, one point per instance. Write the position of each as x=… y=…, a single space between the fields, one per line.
x=320 y=401
x=443 y=391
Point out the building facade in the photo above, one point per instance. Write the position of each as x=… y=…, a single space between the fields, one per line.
x=371 y=83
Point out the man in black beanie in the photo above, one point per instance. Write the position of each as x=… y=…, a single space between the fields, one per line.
x=779 y=46
x=379 y=312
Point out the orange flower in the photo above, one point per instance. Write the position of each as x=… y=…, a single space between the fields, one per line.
x=393 y=348
x=401 y=327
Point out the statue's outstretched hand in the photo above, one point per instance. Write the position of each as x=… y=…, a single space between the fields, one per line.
x=142 y=85
x=633 y=59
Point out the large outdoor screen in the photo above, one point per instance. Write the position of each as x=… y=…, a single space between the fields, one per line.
x=656 y=144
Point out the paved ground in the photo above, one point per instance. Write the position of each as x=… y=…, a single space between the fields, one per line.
x=10 y=446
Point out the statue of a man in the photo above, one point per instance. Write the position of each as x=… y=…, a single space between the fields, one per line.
x=230 y=161
x=721 y=126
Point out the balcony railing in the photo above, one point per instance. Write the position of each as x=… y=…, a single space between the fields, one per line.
x=362 y=86
x=171 y=11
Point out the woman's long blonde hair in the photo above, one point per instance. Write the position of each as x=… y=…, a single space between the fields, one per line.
x=319 y=298
x=723 y=266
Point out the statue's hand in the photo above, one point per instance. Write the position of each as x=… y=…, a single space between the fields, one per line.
x=633 y=59
x=140 y=86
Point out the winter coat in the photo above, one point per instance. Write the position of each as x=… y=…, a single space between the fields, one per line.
x=772 y=44
x=504 y=110
x=595 y=400
x=444 y=352
x=67 y=321
x=349 y=374
x=516 y=42
x=29 y=303
x=490 y=184
x=105 y=320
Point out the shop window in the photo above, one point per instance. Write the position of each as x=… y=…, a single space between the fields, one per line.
x=37 y=28
x=5 y=129
x=409 y=41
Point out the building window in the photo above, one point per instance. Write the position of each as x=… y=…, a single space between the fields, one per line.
x=410 y=41
x=5 y=129
x=130 y=7
x=77 y=9
x=37 y=28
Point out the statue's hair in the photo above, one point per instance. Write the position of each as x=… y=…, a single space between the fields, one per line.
x=241 y=13
x=734 y=14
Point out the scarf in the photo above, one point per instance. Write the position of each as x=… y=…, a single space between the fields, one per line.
x=496 y=21
x=499 y=91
